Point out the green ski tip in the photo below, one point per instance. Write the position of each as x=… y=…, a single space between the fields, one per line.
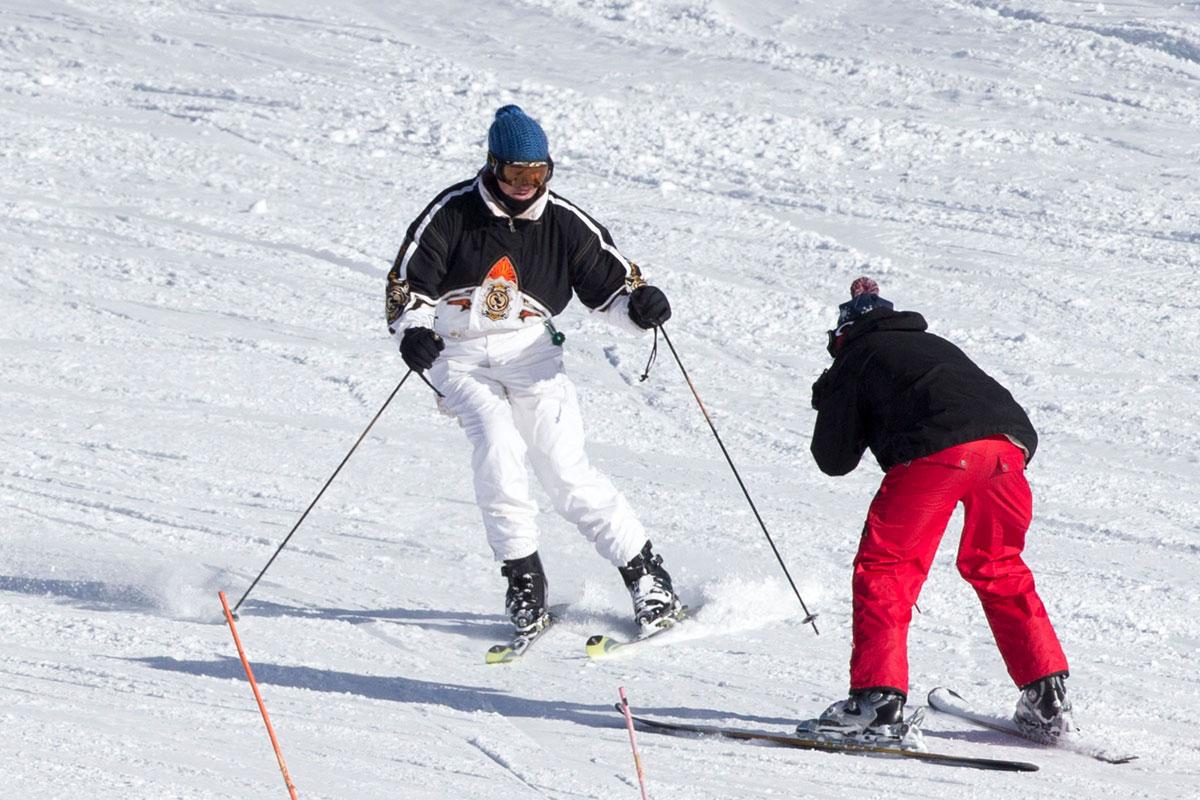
x=500 y=654
x=600 y=645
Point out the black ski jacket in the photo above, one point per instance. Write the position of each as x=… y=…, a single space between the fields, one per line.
x=906 y=394
x=461 y=237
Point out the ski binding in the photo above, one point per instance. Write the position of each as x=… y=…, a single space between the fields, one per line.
x=951 y=702
x=507 y=653
x=603 y=646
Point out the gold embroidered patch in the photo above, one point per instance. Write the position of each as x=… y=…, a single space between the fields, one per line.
x=397 y=298
x=635 y=279
x=497 y=301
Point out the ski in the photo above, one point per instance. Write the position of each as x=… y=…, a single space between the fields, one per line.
x=951 y=702
x=603 y=646
x=804 y=743
x=506 y=653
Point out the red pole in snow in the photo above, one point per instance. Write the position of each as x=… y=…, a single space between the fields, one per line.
x=637 y=759
x=287 y=779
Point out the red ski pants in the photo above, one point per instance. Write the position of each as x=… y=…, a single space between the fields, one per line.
x=904 y=526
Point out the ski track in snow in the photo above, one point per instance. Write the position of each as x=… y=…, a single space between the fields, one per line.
x=200 y=201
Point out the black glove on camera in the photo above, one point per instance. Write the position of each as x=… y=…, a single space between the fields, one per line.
x=420 y=347
x=648 y=307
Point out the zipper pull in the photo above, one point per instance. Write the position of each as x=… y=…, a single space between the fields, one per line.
x=555 y=335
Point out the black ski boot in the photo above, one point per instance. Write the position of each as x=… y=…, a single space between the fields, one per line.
x=868 y=716
x=525 y=600
x=1044 y=710
x=655 y=604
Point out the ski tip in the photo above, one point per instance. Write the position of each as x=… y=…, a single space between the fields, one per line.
x=1111 y=759
x=600 y=645
x=942 y=689
x=499 y=654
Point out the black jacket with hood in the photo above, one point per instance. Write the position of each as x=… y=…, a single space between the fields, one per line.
x=906 y=394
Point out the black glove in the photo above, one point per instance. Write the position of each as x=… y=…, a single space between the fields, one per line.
x=420 y=347
x=648 y=307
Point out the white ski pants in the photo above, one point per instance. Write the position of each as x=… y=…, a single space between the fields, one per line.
x=513 y=399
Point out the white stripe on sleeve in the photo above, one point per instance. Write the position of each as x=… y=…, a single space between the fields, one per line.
x=425 y=224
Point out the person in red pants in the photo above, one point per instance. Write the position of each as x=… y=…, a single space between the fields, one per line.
x=944 y=433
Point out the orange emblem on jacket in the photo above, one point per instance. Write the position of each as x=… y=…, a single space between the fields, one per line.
x=499 y=296
x=503 y=270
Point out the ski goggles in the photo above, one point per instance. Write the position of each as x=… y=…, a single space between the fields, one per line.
x=523 y=173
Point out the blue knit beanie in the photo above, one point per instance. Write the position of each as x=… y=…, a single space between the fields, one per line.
x=515 y=136
x=864 y=294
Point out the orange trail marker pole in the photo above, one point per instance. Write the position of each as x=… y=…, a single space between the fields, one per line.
x=637 y=759
x=287 y=779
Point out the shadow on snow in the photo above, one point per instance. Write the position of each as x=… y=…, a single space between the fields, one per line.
x=399 y=689
x=473 y=625
x=463 y=623
x=96 y=595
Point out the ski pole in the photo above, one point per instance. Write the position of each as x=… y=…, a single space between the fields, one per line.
x=809 y=619
x=362 y=436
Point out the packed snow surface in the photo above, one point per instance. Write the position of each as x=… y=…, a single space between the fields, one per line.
x=201 y=200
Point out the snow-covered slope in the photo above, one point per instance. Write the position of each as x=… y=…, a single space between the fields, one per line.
x=200 y=201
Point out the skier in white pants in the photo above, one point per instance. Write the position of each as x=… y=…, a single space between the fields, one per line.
x=470 y=298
